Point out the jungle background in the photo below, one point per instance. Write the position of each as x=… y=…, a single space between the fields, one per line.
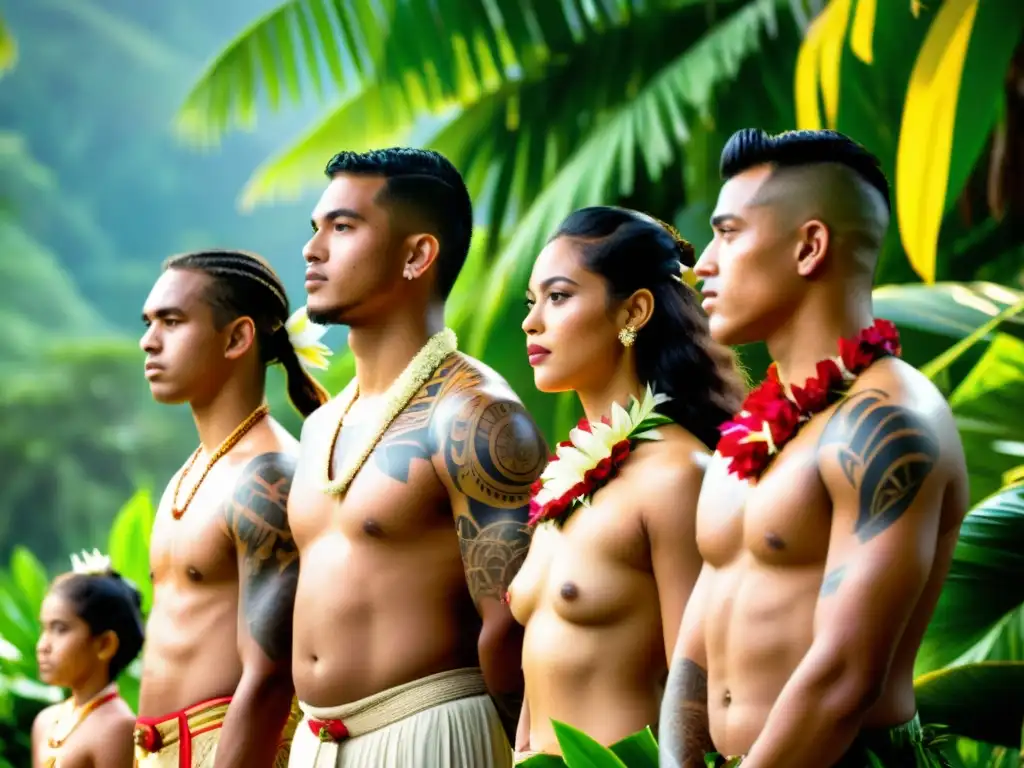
x=132 y=131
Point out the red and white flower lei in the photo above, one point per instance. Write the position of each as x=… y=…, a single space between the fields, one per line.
x=591 y=456
x=769 y=418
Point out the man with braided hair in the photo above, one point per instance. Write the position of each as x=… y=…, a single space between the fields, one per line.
x=216 y=680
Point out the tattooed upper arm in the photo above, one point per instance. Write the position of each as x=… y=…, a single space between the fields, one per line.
x=492 y=453
x=881 y=464
x=885 y=452
x=267 y=557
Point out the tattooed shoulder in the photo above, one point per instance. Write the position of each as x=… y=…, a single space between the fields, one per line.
x=491 y=452
x=257 y=517
x=885 y=452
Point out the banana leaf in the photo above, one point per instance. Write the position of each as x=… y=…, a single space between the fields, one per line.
x=639 y=750
x=980 y=701
x=128 y=544
x=985 y=584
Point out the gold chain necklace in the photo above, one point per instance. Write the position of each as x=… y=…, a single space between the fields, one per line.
x=396 y=398
x=240 y=431
x=79 y=713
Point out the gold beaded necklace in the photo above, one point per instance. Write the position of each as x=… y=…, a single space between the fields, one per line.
x=229 y=442
x=396 y=398
x=79 y=714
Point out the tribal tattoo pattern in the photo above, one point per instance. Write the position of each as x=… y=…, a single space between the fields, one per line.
x=684 y=732
x=492 y=452
x=886 y=453
x=258 y=523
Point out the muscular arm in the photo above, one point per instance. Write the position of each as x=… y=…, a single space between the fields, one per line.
x=490 y=454
x=880 y=464
x=683 y=733
x=268 y=565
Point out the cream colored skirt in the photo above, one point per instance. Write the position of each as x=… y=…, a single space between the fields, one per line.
x=445 y=720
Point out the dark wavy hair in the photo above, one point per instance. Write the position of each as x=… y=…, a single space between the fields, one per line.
x=107 y=603
x=244 y=285
x=427 y=182
x=675 y=354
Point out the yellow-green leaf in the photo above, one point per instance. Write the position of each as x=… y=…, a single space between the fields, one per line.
x=926 y=133
x=818 y=65
x=1014 y=476
x=8 y=47
x=862 y=31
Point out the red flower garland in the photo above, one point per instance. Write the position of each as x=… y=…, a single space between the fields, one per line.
x=592 y=479
x=769 y=419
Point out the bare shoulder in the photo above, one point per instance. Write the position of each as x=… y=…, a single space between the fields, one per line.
x=110 y=723
x=44 y=721
x=893 y=407
x=669 y=471
x=481 y=426
x=109 y=736
x=464 y=378
x=888 y=446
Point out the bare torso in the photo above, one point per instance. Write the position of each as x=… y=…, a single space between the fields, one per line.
x=594 y=654
x=191 y=652
x=766 y=548
x=102 y=740
x=382 y=595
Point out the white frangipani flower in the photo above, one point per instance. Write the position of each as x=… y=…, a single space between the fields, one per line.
x=305 y=337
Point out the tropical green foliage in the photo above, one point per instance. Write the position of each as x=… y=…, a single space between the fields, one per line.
x=23 y=585
x=545 y=106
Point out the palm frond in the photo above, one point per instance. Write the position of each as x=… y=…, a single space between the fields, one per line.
x=650 y=127
x=441 y=51
x=510 y=142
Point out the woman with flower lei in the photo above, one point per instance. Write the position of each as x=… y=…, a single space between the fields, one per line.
x=612 y=317
x=92 y=630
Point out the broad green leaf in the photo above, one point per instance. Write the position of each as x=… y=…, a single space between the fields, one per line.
x=926 y=133
x=29 y=577
x=980 y=701
x=985 y=581
x=994 y=37
x=932 y=318
x=542 y=761
x=581 y=751
x=637 y=751
x=987 y=405
x=129 y=543
x=8 y=47
x=951 y=355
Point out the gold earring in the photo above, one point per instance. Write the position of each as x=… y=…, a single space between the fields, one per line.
x=627 y=336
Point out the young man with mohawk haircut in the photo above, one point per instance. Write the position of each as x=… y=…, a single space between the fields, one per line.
x=829 y=513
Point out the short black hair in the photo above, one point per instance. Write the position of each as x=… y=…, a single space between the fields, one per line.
x=427 y=182
x=751 y=147
x=107 y=602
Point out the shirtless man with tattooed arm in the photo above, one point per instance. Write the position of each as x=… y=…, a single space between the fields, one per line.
x=797 y=646
x=216 y=669
x=408 y=543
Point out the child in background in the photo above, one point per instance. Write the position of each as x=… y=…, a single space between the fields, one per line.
x=92 y=629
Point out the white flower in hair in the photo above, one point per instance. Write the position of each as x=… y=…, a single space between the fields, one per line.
x=91 y=563
x=305 y=337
